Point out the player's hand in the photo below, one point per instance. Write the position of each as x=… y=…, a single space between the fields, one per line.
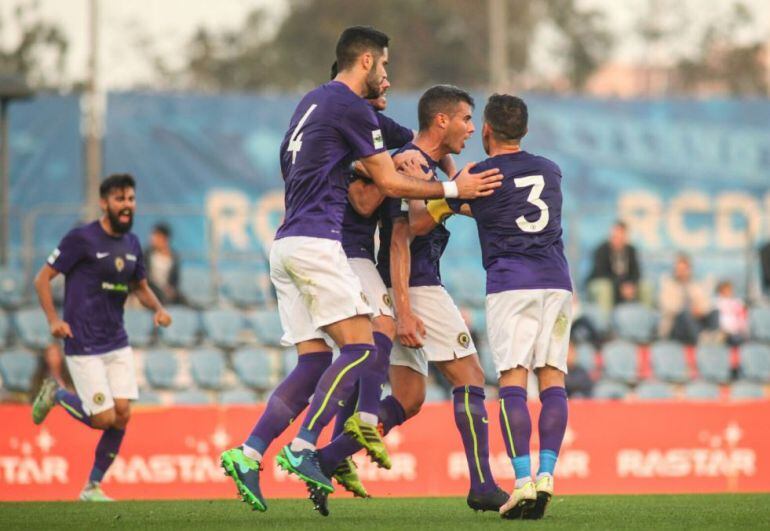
x=410 y=155
x=472 y=185
x=61 y=329
x=410 y=330
x=162 y=318
x=414 y=168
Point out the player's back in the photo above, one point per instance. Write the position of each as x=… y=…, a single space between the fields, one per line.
x=330 y=127
x=520 y=225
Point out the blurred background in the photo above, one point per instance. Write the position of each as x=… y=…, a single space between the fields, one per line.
x=656 y=110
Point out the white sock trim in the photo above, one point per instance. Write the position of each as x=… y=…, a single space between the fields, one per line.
x=251 y=453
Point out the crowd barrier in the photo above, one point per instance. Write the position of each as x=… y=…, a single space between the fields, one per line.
x=609 y=448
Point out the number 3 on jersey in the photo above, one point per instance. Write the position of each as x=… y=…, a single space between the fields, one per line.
x=295 y=142
x=537 y=183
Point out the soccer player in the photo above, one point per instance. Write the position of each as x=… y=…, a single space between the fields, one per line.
x=318 y=293
x=101 y=262
x=529 y=296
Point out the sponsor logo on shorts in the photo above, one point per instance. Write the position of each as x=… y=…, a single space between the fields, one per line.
x=560 y=326
x=387 y=300
x=98 y=399
x=464 y=339
x=119 y=264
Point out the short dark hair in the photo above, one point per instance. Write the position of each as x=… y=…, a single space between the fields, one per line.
x=162 y=228
x=440 y=99
x=334 y=70
x=356 y=40
x=117 y=181
x=507 y=116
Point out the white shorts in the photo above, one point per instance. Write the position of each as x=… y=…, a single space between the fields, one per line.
x=374 y=287
x=529 y=328
x=315 y=287
x=446 y=334
x=101 y=378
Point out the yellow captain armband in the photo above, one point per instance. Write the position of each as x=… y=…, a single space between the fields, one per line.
x=439 y=210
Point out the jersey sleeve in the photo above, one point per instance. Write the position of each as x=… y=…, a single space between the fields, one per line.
x=394 y=208
x=70 y=251
x=360 y=128
x=140 y=272
x=394 y=134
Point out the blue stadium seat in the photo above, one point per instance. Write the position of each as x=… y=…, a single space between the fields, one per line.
x=620 y=361
x=11 y=288
x=713 y=362
x=468 y=285
x=184 y=328
x=223 y=327
x=669 y=362
x=254 y=367
x=161 y=368
x=208 y=368
x=635 y=322
x=743 y=390
x=267 y=326
x=139 y=326
x=17 y=367
x=700 y=390
x=598 y=317
x=435 y=393
x=197 y=287
x=653 y=390
x=32 y=328
x=239 y=395
x=5 y=329
x=244 y=287
x=610 y=390
x=755 y=362
x=191 y=397
x=288 y=360
x=149 y=398
x=585 y=356
x=759 y=323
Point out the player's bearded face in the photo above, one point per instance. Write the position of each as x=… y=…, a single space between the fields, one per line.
x=120 y=207
x=376 y=76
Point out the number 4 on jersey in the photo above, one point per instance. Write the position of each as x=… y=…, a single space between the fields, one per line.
x=295 y=142
x=537 y=183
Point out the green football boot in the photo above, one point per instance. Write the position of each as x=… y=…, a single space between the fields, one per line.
x=92 y=492
x=44 y=401
x=346 y=475
x=245 y=472
x=368 y=436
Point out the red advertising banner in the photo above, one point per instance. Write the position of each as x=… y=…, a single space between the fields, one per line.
x=609 y=448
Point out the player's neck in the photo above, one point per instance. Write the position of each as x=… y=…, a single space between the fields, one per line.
x=430 y=144
x=503 y=149
x=353 y=82
x=107 y=227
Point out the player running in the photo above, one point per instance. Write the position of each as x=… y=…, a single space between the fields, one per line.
x=529 y=296
x=318 y=293
x=101 y=262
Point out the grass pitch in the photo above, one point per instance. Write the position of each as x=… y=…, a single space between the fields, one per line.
x=724 y=511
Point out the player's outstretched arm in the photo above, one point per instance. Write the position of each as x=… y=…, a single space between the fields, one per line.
x=58 y=327
x=365 y=197
x=151 y=302
x=409 y=327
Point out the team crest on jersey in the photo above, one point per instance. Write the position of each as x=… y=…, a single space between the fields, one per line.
x=387 y=300
x=119 y=264
x=377 y=139
x=464 y=339
x=98 y=399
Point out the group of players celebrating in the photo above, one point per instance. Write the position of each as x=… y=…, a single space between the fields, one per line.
x=388 y=314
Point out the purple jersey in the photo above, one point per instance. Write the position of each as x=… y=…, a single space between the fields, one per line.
x=98 y=270
x=425 y=250
x=357 y=230
x=331 y=127
x=520 y=225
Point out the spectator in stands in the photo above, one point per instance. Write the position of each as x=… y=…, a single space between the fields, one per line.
x=764 y=261
x=578 y=381
x=162 y=265
x=684 y=305
x=733 y=316
x=615 y=274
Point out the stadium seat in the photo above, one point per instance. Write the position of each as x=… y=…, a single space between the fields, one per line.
x=149 y=398
x=267 y=326
x=184 y=329
x=161 y=368
x=5 y=329
x=17 y=367
x=598 y=318
x=208 y=368
x=244 y=287
x=254 y=368
x=435 y=393
x=139 y=326
x=238 y=395
x=700 y=390
x=759 y=323
x=197 y=287
x=755 y=362
x=288 y=360
x=32 y=328
x=191 y=397
x=654 y=390
x=669 y=362
x=11 y=288
x=223 y=327
x=634 y=321
x=713 y=362
x=585 y=356
x=743 y=390
x=620 y=361
x=610 y=390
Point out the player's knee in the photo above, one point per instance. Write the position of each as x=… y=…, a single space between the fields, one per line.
x=549 y=377
x=103 y=420
x=413 y=406
x=121 y=419
x=385 y=325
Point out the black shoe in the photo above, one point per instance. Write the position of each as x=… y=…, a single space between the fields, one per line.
x=538 y=511
x=490 y=501
x=320 y=499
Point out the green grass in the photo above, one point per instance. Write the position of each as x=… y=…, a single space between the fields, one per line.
x=728 y=511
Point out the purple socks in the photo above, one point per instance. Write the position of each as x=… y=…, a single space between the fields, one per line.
x=375 y=375
x=289 y=399
x=106 y=450
x=72 y=405
x=517 y=429
x=472 y=422
x=551 y=427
